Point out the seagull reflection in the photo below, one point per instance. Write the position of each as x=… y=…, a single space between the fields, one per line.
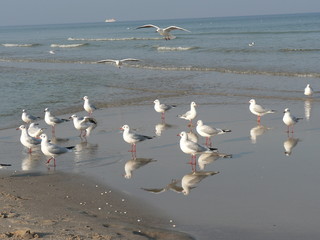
x=289 y=144
x=189 y=181
x=207 y=158
x=84 y=151
x=307 y=109
x=134 y=164
x=160 y=127
x=171 y=186
x=31 y=161
x=257 y=131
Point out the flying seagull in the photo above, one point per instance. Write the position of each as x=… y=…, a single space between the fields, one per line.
x=118 y=62
x=164 y=31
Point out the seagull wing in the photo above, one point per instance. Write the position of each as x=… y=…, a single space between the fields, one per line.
x=148 y=26
x=170 y=28
x=129 y=59
x=259 y=109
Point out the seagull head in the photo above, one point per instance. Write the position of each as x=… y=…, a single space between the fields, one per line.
x=252 y=101
x=22 y=127
x=286 y=110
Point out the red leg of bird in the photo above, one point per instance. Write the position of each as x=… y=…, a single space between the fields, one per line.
x=258 y=119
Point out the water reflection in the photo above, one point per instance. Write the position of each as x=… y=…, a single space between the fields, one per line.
x=173 y=186
x=207 y=158
x=257 y=131
x=188 y=182
x=84 y=151
x=160 y=127
x=134 y=164
x=307 y=108
x=31 y=161
x=289 y=144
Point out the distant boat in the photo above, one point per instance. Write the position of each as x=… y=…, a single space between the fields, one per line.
x=110 y=20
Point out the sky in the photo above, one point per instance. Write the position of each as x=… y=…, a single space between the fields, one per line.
x=34 y=12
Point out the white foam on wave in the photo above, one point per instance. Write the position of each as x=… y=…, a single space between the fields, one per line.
x=175 y=48
x=68 y=45
x=110 y=39
x=19 y=45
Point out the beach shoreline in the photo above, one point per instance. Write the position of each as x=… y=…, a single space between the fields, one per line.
x=58 y=205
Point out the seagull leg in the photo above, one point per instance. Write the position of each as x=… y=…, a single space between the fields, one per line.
x=258 y=119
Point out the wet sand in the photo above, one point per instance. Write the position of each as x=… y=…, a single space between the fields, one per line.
x=57 y=205
x=259 y=193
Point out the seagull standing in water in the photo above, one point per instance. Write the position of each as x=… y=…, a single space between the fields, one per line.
x=118 y=62
x=26 y=139
x=191 y=114
x=52 y=120
x=162 y=108
x=164 y=31
x=28 y=118
x=208 y=131
x=308 y=91
x=289 y=119
x=83 y=123
x=133 y=138
x=88 y=107
x=52 y=150
x=258 y=110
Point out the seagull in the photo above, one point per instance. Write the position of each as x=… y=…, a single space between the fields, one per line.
x=258 y=110
x=52 y=150
x=289 y=119
x=162 y=108
x=28 y=118
x=52 y=120
x=164 y=31
x=34 y=130
x=208 y=131
x=26 y=139
x=134 y=164
x=52 y=52
x=83 y=123
x=189 y=147
x=191 y=114
x=133 y=138
x=308 y=91
x=251 y=44
x=88 y=107
x=190 y=180
x=118 y=62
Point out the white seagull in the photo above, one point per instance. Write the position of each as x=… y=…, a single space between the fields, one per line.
x=34 y=130
x=308 y=91
x=26 y=139
x=52 y=120
x=83 y=123
x=289 y=119
x=189 y=147
x=164 y=31
x=118 y=62
x=258 y=110
x=88 y=107
x=162 y=108
x=52 y=150
x=208 y=131
x=190 y=180
x=133 y=138
x=191 y=114
x=28 y=118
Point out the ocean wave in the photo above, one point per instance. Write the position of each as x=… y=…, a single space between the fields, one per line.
x=68 y=45
x=162 y=48
x=20 y=44
x=300 y=50
x=111 y=39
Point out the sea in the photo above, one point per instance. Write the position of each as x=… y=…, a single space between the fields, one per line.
x=286 y=47
x=267 y=190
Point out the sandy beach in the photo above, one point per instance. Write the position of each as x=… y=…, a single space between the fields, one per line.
x=57 y=205
x=249 y=196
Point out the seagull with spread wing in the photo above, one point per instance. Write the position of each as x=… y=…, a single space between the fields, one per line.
x=164 y=31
